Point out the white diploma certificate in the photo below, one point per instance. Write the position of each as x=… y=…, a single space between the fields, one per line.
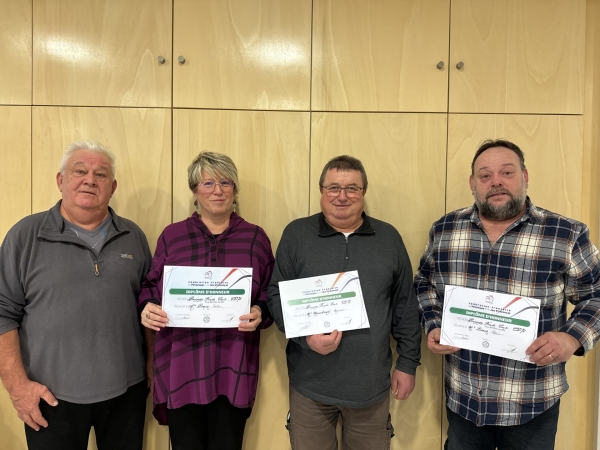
x=499 y=324
x=322 y=304
x=206 y=297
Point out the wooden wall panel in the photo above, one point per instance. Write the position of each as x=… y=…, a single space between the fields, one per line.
x=553 y=147
x=524 y=56
x=270 y=150
x=140 y=140
x=102 y=52
x=404 y=157
x=242 y=54
x=11 y=427
x=380 y=55
x=15 y=171
x=588 y=425
x=15 y=52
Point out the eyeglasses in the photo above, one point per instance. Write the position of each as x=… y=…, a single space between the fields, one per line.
x=334 y=190
x=209 y=186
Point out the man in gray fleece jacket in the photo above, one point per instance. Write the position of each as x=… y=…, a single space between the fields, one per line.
x=331 y=375
x=70 y=339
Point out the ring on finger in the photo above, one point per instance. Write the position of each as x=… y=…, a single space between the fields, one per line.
x=147 y=315
x=551 y=358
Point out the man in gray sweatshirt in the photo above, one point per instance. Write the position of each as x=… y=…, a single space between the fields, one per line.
x=349 y=375
x=70 y=341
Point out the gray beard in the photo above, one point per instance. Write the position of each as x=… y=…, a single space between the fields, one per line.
x=501 y=213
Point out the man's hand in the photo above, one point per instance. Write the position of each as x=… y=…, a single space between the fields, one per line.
x=154 y=317
x=26 y=400
x=433 y=342
x=254 y=318
x=552 y=347
x=324 y=343
x=402 y=384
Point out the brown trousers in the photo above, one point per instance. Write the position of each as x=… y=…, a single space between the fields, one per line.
x=312 y=425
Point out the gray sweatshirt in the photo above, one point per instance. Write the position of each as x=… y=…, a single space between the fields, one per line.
x=357 y=373
x=79 y=327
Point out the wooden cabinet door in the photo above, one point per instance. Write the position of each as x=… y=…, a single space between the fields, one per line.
x=380 y=55
x=102 y=52
x=553 y=147
x=15 y=52
x=522 y=56
x=404 y=157
x=242 y=54
x=139 y=138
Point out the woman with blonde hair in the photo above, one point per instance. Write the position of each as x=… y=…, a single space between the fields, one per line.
x=205 y=378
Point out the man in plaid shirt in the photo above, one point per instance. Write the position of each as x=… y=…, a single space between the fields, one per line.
x=503 y=243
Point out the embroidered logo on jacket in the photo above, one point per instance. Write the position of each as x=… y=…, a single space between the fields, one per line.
x=125 y=255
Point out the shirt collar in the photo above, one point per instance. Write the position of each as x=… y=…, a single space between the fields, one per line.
x=324 y=229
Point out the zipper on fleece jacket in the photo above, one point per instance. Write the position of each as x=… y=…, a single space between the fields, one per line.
x=94 y=260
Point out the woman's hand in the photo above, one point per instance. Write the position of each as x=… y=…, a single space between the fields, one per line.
x=254 y=319
x=154 y=317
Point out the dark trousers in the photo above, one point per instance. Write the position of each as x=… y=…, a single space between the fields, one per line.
x=537 y=434
x=216 y=426
x=118 y=423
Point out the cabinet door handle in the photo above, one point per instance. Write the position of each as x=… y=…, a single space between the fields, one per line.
x=161 y=60
x=460 y=65
x=181 y=60
x=440 y=65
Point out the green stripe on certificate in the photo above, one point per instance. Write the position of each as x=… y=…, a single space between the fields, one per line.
x=207 y=291
x=487 y=316
x=323 y=298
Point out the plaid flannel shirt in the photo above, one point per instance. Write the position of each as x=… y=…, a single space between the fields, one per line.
x=541 y=255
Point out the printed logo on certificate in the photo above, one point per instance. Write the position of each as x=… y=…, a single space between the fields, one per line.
x=498 y=324
x=322 y=304
x=206 y=297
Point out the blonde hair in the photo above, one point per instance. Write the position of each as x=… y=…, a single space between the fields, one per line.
x=215 y=164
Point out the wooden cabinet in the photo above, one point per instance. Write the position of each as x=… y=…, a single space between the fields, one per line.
x=15 y=52
x=380 y=55
x=102 y=52
x=139 y=138
x=524 y=56
x=242 y=54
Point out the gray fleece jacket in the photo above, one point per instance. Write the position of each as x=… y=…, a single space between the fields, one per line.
x=357 y=373
x=79 y=328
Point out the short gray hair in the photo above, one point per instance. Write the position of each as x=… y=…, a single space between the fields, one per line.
x=90 y=146
x=215 y=164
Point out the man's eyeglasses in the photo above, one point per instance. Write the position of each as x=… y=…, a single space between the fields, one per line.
x=209 y=186
x=334 y=190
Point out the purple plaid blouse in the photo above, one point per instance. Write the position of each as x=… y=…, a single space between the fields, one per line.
x=195 y=365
